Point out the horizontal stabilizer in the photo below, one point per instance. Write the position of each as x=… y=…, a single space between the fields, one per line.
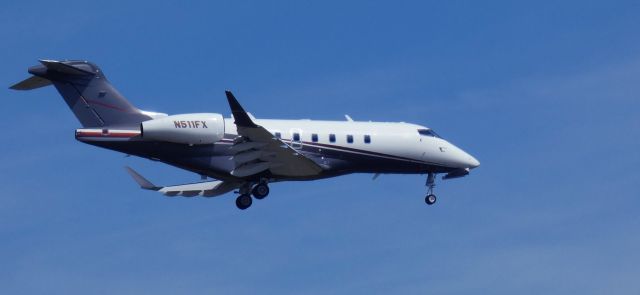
x=32 y=82
x=65 y=68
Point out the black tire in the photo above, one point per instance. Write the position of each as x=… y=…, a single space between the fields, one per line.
x=260 y=191
x=430 y=199
x=243 y=201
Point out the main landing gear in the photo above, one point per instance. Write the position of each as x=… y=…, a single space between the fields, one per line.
x=244 y=201
x=259 y=191
x=430 y=199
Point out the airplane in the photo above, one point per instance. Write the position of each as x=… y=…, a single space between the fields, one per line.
x=243 y=154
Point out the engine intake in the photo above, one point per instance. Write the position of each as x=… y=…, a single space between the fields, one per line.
x=203 y=128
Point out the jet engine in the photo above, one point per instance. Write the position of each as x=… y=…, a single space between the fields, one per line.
x=204 y=128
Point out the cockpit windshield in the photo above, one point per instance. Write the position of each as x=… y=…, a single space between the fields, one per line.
x=428 y=132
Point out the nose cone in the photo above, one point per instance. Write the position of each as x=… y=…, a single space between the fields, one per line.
x=461 y=159
x=472 y=162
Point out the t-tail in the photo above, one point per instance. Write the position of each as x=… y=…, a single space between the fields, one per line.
x=88 y=93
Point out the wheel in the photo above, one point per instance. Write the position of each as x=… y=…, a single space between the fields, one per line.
x=260 y=191
x=430 y=199
x=243 y=202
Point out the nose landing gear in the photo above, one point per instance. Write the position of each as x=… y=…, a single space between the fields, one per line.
x=430 y=199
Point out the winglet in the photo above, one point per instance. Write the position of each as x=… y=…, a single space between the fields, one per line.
x=240 y=116
x=143 y=182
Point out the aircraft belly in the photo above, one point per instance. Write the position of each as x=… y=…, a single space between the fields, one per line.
x=215 y=160
x=212 y=159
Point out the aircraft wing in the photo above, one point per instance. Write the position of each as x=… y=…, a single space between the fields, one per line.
x=205 y=189
x=259 y=150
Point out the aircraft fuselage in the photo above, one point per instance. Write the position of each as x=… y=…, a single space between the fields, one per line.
x=340 y=147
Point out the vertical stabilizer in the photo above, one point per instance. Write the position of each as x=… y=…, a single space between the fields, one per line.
x=87 y=92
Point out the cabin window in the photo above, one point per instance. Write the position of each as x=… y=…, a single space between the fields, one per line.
x=296 y=136
x=332 y=138
x=350 y=138
x=278 y=135
x=314 y=137
x=367 y=138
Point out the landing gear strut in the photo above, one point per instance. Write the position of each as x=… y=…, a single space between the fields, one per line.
x=430 y=199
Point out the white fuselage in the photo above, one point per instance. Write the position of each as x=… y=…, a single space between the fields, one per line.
x=386 y=139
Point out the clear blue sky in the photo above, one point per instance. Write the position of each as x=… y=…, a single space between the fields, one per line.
x=544 y=93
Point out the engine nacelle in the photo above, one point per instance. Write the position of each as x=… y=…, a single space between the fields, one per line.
x=204 y=128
